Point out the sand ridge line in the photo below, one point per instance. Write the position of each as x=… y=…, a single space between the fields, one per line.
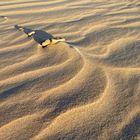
x=88 y=97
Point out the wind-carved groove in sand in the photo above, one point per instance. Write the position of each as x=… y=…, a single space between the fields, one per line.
x=28 y=122
x=38 y=61
x=26 y=113
x=42 y=78
x=11 y=35
x=21 y=112
x=23 y=54
x=102 y=36
x=123 y=53
x=22 y=45
x=130 y=128
x=105 y=106
x=34 y=5
x=24 y=49
x=16 y=37
x=88 y=90
x=66 y=104
x=19 y=38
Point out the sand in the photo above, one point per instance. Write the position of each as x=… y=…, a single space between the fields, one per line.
x=87 y=88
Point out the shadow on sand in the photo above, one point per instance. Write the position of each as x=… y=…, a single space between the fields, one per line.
x=39 y=36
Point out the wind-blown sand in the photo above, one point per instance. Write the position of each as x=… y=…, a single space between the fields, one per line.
x=85 y=89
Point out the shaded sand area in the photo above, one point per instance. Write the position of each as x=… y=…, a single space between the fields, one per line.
x=87 y=88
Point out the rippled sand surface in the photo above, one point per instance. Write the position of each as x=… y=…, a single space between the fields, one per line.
x=87 y=88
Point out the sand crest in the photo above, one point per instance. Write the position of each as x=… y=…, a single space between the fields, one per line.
x=84 y=88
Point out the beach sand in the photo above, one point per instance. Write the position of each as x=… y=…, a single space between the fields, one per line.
x=87 y=88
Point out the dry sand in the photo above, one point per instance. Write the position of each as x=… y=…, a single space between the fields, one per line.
x=85 y=89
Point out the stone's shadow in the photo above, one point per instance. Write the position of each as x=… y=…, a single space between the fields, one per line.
x=39 y=36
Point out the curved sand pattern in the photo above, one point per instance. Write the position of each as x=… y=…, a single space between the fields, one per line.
x=86 y=89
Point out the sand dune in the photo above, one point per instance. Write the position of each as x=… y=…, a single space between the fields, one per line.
x=87 y=88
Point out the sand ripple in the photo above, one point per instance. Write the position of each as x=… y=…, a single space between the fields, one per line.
x=85 y=89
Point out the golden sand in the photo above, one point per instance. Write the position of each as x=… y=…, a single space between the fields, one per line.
x=87 y=88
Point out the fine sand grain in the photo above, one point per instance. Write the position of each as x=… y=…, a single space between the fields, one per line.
x=87 y=88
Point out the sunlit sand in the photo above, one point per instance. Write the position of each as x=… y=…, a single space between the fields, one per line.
x=69 y=70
